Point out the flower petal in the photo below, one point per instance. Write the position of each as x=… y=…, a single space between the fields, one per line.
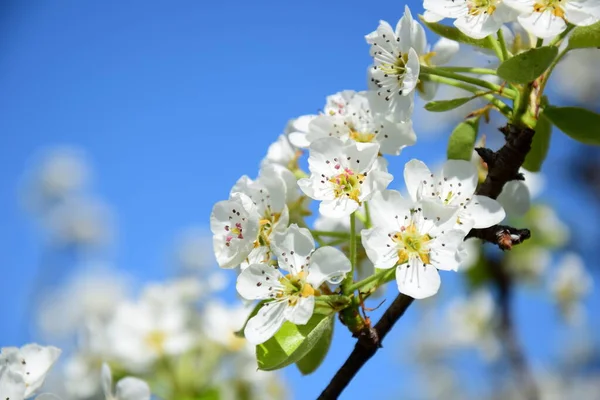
x=106 y=379
x=444 y=50
x=327 y=264
x=258 y=282
x=445 y=250
x=515 y=198
x=417 y=280
x=38 y=361
x=543 y=25
x=301 y=312
x=483 y=211
x=266 y=322
x=130 y=388
x=387 y=207
x=380 y=249
x=416 y=174
x=293 y=247
x=12 y=385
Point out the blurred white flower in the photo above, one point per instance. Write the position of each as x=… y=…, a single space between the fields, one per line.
x=80 y=221
x=128 y=388
x=282 y=152
x=157 y=325
x=220 y=322
x=92 y=293
x=569 y=284
x=582 y=64
x=530 y=263
x=23 y=371
x=471 y=323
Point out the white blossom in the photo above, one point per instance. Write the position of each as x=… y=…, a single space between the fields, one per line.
x=454 y=186
x=282 y=152
x=395 y=72
x=414 y=237
x=128 y=388
x=291 y=296
x=297 y=129
x=355 y=119
x=569 y=284
x=548 y=18
x=23 y=371
x=474 y=18
x=343 y=176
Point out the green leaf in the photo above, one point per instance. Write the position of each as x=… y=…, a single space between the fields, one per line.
x=462 y=140
x=446 y=105
x=539 y=147
x=311 y=361
x=240 y=333
x=527 y=66
x=585 y=36
x=291 y=343
x=579 y=123
x=453 y=33
x=330 y=304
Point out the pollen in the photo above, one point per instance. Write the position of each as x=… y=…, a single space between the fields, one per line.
x=348 y=184
x=411 y=244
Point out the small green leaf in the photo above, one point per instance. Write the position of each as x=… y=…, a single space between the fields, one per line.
x=462 y=140
x=291 y=343
x=539 y=147
x=446 y=105
x=330 y=304
x=527 y=66
x=240 y=333
x=579 y=123
x=311 y=361
x=450 y=32
x=585 y=36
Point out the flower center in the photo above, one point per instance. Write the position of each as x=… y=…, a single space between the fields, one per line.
x=156 y=340
x=361 y=137
x=234 y=231
x=398 y=68
x=294 y=287
x=554 y=6
x=478 y=7
x=267 y=223
x=348 y=184
x=411 y=243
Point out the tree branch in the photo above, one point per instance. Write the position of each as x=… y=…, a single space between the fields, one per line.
x=369 y=341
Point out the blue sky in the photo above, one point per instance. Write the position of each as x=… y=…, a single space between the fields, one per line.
x=173 y=101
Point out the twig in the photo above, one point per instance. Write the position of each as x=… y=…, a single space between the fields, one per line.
x=367 y=345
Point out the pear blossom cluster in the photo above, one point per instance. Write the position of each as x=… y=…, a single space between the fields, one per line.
x=262 y=229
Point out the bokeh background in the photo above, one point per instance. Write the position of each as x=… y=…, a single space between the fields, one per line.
x=167 y=104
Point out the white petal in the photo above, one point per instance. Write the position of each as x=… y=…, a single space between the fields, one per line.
x=543 y=25
x=327 y=264
x=12 y=385
x=427 y=90
x=416 y=174
x=416 y=280
x=478 y=26
x=385 y=206
x=515 y=198
x=393 y=137
x=376 y=181
x=445 y=8
x=130 y=388
x=459 y=176
x=338 y=208
x=579 y=16
x=322 y=154
x=301 y=312
x=484 y=212
x=38 y=361
x=299 y=139
x=379 y=247
x=265 y=323
x=254 y=282
x=431 y=16
x=444 y=250
x=359 y=158
x=292 y=248
x=106 y=379
x=445 y=50
x=411 y=76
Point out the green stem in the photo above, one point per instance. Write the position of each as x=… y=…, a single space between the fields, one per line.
x=334 y=234
x=501 y=106
x=557 y=40
x=368 y=213
x=469 y=70
x=358 y=285
x=505 y=92
x=347 y=282
x=549 y=71
x=502 y=44
x=496 y=47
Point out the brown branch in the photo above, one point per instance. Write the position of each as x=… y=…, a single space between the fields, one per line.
x=367 y=345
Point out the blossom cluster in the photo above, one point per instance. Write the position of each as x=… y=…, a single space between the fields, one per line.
x=262 y=229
